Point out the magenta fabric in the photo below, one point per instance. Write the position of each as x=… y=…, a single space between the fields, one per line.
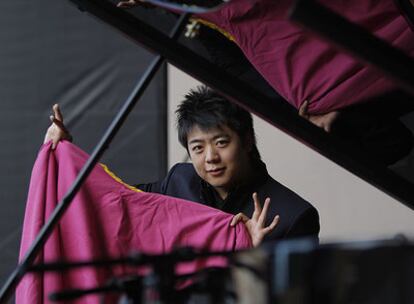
x=298 y=64
x=107 y=219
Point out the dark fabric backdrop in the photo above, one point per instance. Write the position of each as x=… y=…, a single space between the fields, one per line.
x=51 y=52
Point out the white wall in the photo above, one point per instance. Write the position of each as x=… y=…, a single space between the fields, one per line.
x=350 y=209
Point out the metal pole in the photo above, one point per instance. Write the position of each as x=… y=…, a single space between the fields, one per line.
x=97 y=153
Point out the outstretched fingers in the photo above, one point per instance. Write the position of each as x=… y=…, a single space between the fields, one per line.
x=256 y=225
x=257 y=208
x=272 y=225
x=263 y=214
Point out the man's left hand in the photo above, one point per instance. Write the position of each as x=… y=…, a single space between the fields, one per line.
x=256 y=225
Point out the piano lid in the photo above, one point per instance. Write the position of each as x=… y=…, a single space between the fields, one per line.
x=201 y=59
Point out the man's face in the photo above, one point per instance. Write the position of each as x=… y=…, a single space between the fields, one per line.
x=218 y=157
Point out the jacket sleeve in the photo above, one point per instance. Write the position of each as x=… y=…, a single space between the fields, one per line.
x=306 y=224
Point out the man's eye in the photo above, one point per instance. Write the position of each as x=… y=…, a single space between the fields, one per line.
x=196 y=148
x=222 y=143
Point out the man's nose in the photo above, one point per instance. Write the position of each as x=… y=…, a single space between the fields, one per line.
x=212 y=155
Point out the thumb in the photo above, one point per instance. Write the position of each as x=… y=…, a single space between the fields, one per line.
x=240 y=217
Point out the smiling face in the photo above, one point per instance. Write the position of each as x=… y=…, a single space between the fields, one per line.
x=219 y=157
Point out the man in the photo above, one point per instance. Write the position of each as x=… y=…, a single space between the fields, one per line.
x=226 y=171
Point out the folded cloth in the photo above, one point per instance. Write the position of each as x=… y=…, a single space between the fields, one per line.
x=300 y=65
x=108 y=218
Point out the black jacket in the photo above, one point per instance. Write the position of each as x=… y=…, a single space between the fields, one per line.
x=297 y=216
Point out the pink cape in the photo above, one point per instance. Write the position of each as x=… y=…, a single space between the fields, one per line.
x=298 y=64
x=108 y=219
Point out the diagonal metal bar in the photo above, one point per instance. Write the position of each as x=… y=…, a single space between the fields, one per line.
x=97 y=153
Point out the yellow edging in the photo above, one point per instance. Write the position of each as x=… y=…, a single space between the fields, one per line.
x=111 y=174
x=215 y=27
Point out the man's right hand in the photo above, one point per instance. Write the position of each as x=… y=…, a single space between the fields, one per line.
x=256 y=225
x=57 y=130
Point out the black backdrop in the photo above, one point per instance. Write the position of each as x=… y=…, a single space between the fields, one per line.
x=51 y=52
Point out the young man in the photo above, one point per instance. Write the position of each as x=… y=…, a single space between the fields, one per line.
x=226 y=170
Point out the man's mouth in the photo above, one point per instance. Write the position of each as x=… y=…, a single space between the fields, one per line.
x=216 y=171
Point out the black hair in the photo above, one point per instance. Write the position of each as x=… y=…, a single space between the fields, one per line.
x=207 y=109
